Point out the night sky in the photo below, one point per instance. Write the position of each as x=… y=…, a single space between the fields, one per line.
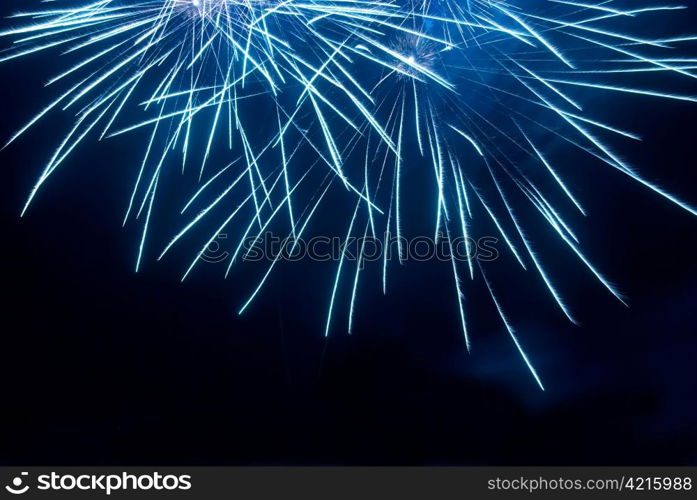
x=100 y=365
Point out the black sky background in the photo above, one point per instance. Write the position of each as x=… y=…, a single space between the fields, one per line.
x=99 y=365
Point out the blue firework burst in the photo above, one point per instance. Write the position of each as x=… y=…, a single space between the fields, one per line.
x=479 y=88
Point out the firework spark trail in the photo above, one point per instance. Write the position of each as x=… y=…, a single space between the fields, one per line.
x=479 y=86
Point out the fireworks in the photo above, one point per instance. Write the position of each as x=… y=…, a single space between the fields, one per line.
x=478 y=86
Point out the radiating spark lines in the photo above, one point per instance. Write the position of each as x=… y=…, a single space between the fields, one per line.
x=473 y=91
